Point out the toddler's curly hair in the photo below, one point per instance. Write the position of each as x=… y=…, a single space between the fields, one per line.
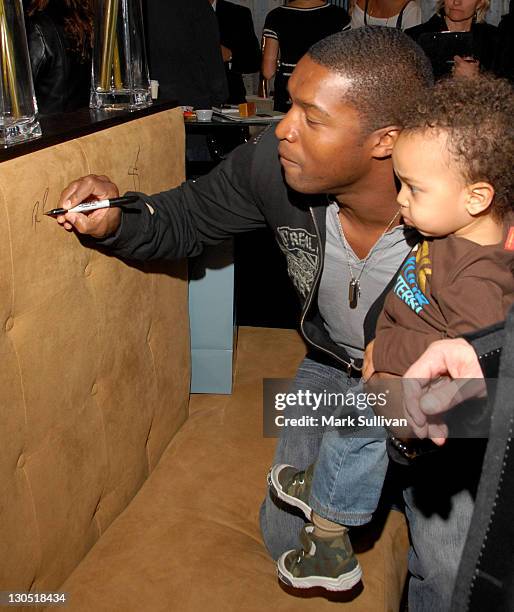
x=476 y=114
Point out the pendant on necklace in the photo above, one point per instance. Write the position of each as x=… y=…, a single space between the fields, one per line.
x=353 y=292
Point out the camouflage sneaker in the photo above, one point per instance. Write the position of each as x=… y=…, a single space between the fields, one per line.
x=321 y=562
x=292 y=486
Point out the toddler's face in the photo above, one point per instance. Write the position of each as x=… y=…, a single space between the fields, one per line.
x=433 y=195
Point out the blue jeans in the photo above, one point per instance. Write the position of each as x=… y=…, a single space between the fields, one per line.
x=439 y=503
x=349 y=471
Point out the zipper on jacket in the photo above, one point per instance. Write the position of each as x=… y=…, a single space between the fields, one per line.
x=348 y=365
x=493 y=510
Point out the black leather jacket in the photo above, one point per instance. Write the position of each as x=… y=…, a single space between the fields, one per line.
x=486 y=574
x=61 y=78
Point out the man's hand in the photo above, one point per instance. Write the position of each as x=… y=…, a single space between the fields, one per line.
x=433 y=385
x=465 y=67
x=368 y=368
x=98 y=223
x=226 y=54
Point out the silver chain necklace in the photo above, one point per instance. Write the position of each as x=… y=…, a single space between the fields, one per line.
x=354 y=289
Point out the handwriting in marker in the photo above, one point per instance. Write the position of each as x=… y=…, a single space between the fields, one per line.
x=133 y=171
x=39 y=208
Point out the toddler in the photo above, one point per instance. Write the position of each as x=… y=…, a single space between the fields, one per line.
x=454 y=161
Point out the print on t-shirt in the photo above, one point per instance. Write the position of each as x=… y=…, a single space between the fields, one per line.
x=410 y=284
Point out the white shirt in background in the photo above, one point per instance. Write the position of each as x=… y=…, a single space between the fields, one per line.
x=411 y=17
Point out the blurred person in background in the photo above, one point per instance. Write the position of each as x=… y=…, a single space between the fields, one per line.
x=504 y=62
x=60 y=35
x=388 y=13
x=461 y=16
x=289 y=31
x=240 y=48
x=183 y=45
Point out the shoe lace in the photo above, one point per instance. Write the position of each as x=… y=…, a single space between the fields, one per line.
x=300 y=481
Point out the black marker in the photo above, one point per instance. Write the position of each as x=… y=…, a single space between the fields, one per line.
x=96 y=205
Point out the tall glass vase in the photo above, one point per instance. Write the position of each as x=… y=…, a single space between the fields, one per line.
x=120 y=77
x=18 y=107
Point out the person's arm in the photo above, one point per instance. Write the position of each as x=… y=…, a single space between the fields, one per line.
x=461 y=311
x=485 y=43
x=425 y=404
x=386 y=355
x=473 y=357
x=269 y=57
x=179 y=222
x=473 y=300
x=271 y=46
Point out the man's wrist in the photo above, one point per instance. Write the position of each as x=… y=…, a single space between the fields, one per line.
x=110 y=236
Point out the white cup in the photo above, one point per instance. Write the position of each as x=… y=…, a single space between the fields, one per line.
x=204 y=115
x=154 y=86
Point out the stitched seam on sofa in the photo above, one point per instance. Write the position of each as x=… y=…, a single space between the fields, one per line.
x=154 y=369
x=22 y=386
x=99 y=408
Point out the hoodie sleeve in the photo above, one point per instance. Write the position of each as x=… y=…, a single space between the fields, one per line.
x=178 y=223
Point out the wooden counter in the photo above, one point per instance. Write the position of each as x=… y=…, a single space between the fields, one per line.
x=68 y=126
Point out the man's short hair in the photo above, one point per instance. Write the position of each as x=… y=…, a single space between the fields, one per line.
x=476 y=115
x=386 y=68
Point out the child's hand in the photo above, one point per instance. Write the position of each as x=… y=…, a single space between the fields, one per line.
x=368 y=369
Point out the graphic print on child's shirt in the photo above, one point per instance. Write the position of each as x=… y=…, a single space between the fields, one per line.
x=411 y=281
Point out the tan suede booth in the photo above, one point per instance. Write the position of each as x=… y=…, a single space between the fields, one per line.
x=94 y=394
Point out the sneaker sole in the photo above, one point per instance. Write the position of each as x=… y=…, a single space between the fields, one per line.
x=345 y=582
x=281 y=494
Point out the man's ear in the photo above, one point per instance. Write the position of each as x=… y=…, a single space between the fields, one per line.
x=382 y=141
x=480 y=197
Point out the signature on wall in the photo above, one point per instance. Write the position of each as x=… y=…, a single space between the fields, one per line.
x=39 y=208
x=133 y=171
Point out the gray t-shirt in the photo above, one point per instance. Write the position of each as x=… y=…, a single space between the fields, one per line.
x=346 y=325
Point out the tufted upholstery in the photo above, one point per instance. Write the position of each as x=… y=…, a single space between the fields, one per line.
x=94 y=354
x=190 y=540
x=94 y=383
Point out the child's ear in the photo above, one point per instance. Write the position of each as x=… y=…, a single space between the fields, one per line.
x=480 y=197
x=384 y=140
